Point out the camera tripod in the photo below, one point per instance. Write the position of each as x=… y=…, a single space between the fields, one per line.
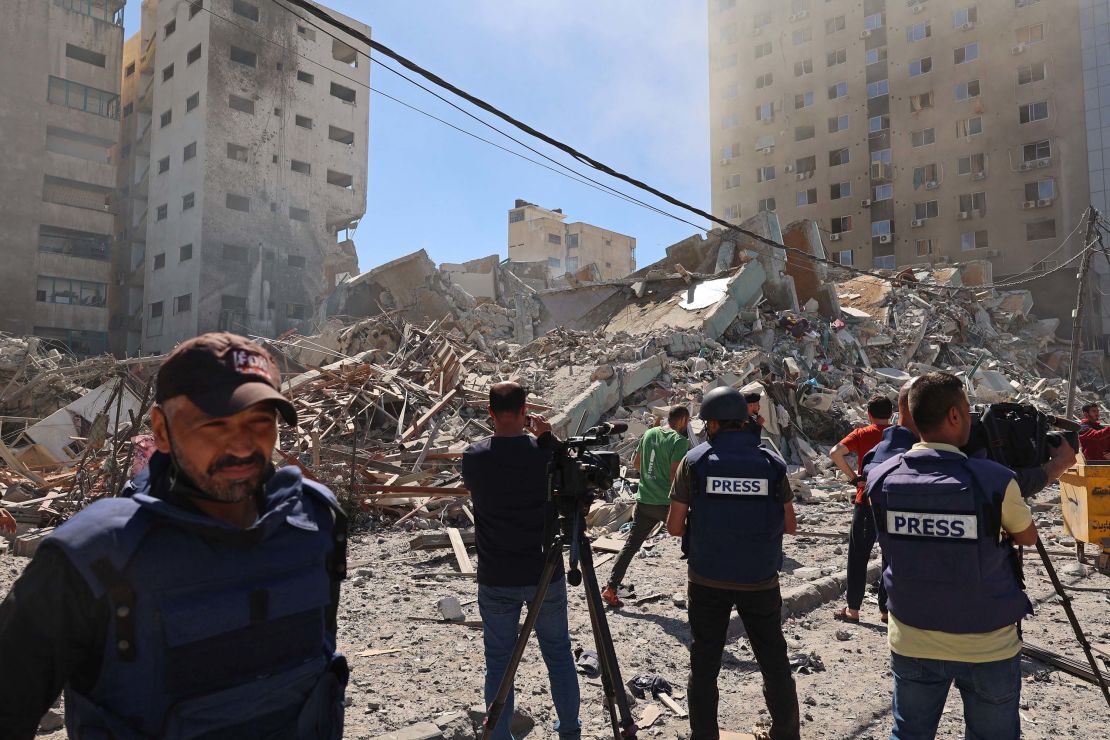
x=615 y=699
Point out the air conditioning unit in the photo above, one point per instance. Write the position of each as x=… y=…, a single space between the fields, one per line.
x=1025 y=166
x=801 y=14
x=967 y=26
x=834 y=237
x=866 y=34
x=993 y=253
x=789 y=168
x=800 y=176
x=766 y=150
x=865 y=203
x=1018 y=49
x=1028 y=204
x=917 y=223
x=1043 y=162
x=885 y=238
x=978 y=175
x=918 y=8
x=932 y=185
x=963 y=215
x=1043 y=202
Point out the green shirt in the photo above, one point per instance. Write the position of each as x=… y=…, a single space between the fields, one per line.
x=660 y=448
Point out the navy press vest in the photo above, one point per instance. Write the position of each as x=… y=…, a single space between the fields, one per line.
x=736 y=519
x=938 y=516
x=216 y=632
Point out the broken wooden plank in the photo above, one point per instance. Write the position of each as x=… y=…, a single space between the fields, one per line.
x=672 y=705
x=423 y=420
x=17 y=465
x=648 y=717
x=414 y=490
x=445 y=574
x=376 y=653
x=461 y=556
x=607 y=544
x=438 y=540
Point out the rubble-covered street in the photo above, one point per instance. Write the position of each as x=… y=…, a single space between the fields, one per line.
x=389 y=399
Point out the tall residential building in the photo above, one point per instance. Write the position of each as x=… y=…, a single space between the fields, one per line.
x=537 y=234
x=913 y=131
x=247 y=161
x=59 y=122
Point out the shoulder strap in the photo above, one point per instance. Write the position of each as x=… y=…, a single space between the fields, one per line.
x=992 y=510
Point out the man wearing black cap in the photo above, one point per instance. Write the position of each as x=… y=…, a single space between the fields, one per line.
x=202 y=602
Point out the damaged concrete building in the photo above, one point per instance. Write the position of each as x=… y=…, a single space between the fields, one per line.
x=538 y=234
x=247 y=165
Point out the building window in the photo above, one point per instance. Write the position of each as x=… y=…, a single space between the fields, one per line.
x=156 y=310
x=1033 y=112
x=803 y=67
x=70 y=291
x=340 y=179
x=343 y=136
x=921 y=66
x=967 y=53
x=925 y=174
x=236 y=152
x=303 y=168
x=185 y=253
x=245 y=9
x=296 y=311
x=238 y=202
x=764 y=80
x=923 y=247
x=840 y=190
x=243 y=105
x=169 y=28
x=728 y=61
x=922 y=211
x=161 y=212
x=767 y=204
x=763 y=112
x=516 y=216
x=877 y=124
x=130 y=70
x=128 y=109
x=1036 y=151
x=308 y=34
x=193 y=55
x=802 y=36
x=832 y=25
x=802 y=133
x=87 y=56
x=304 y=122
x=970 y=240
x=298 y=214
x=1039 y=230
x=1030 y=34
x=165 y=119
x=882 y=192
x=1041 y=190
x=807 y=197
x=188 y=201
x=572 y=241
x=969 y=127
x=763 y=50
x=973 y=203
x=965 y=17
x=845 y=257
x=1028 y=73
x=841 y=224
x=159 y=261
x=921 y=102
x=880 y=228
x=971 y=164
x=346 y=94
x=296 y=261
x=730 y=182
x=878 y=89
x=837 y=91
x=732 y=120
x=163 y=165
x=838 y=157
x=919 y=31
x=924 y=137
x=874 y=22
x=554 y=263
x=967 y=90
x=167 y=73
x=765 y=174
x=881 y=156
x=803 y=100
x=305 y=77
x=244 y=57
x=82 y=97
x=805 y=164
x=732 y=212
x=874 y=56
x=183 y=303
x=833 y=58
x=838 y=123
x=192 y=101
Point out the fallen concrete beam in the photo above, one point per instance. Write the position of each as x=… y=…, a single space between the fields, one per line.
x=587 y=408
x=801 y=599
x=419 y=731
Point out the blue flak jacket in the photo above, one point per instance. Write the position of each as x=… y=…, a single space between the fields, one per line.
x=216 y=632
x=938 y=516
x=736 y=517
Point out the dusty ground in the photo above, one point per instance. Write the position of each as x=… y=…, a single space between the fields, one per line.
x=439 y=667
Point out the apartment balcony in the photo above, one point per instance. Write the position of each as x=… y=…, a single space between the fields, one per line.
x=105 y=11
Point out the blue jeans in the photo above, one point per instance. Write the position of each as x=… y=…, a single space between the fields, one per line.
x=500 y=609
x=990 y=693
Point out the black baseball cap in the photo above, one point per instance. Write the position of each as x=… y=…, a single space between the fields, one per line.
x=223 y=374
x=753 y=397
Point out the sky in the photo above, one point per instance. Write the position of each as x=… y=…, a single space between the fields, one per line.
x=624 y=81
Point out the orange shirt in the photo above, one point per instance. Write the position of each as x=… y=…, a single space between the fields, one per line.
x=859 y=442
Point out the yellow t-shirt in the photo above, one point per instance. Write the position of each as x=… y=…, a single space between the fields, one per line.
x=977 y=647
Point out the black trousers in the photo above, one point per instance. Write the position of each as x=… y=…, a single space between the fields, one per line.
x=761 y=611
x=860 y=541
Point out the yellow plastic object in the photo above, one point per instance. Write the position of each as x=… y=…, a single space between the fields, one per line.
x=1085 y=503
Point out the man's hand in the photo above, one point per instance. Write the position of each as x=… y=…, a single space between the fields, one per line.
x=759 y=419
x=539 y=425
x=7 y=522
x=1060 y=458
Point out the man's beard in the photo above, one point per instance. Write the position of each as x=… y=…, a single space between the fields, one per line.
x=222 y=489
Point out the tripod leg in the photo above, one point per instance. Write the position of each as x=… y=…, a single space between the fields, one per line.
x=615 y=698
x=493 y=713
x=1065 y=601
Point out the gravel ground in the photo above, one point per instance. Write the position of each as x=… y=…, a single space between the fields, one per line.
x=437 y=673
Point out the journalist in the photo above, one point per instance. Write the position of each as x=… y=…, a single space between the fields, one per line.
x=507 y=478
x=938 y=512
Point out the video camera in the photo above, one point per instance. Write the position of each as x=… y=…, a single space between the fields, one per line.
x=1018 y=435
x=578 y=473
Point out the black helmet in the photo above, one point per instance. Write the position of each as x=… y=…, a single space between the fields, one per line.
x=723 y=404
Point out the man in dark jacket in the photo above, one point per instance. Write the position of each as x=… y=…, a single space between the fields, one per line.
x=203 y=601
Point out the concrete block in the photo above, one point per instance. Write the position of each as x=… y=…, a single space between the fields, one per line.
x=586 y=409
x=419 y=731
x=26 y=544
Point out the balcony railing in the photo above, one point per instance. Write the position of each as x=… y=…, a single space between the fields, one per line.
x=83 y=98
x=74 y=243
x=108 y=11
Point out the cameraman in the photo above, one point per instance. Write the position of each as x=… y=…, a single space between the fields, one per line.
x=507 y=478
x=735 y=499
